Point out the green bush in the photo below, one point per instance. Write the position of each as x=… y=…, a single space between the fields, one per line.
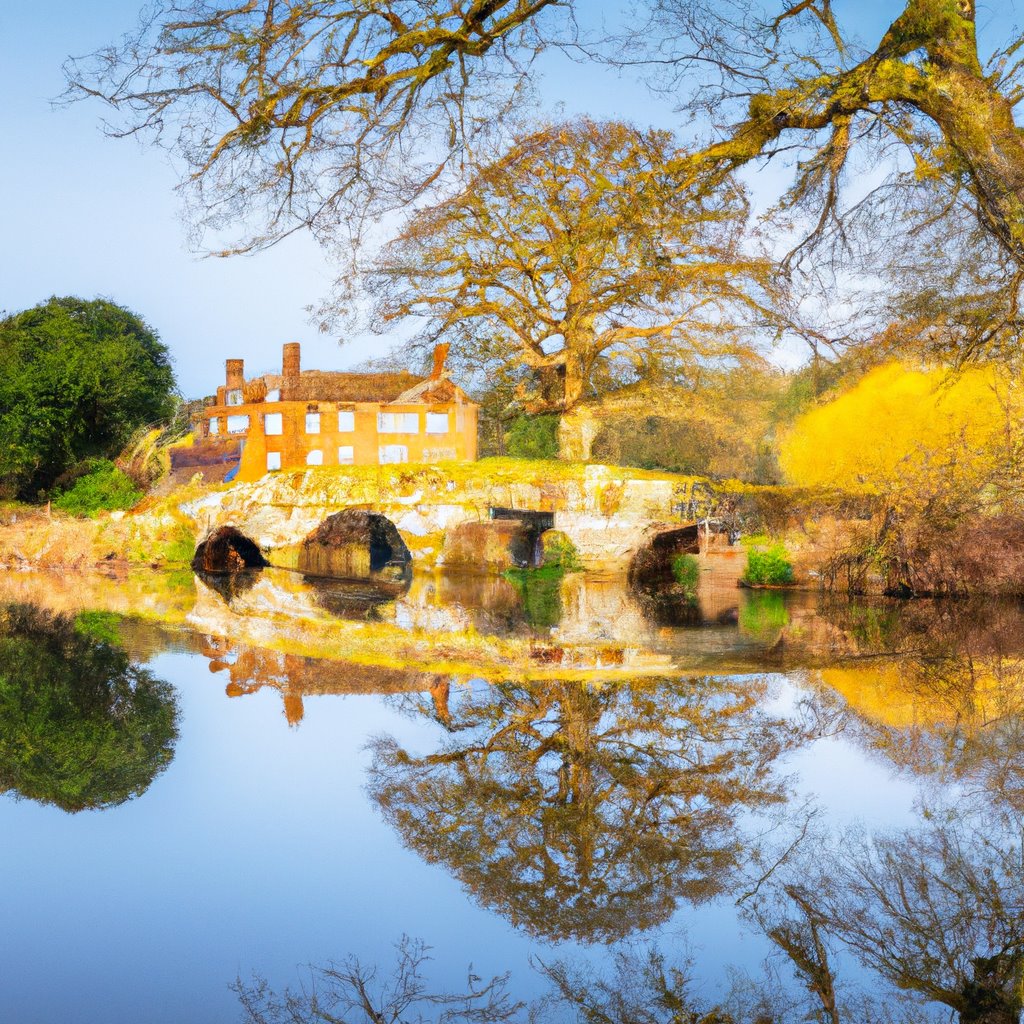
x=557 y=550
x=541 y=593
x=533 y=437
x=768 y=568
x=104 y=487
x=686 y=572
x=77 y=378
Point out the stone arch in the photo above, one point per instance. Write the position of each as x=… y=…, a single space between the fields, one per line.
x=651 y=564
x=355 y=544
x=227 y=550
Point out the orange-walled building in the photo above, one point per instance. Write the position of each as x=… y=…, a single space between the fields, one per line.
x=305 y=418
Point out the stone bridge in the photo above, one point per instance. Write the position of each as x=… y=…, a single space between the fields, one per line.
x=472 y=516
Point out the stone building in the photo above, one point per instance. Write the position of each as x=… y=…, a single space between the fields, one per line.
x=299 y=418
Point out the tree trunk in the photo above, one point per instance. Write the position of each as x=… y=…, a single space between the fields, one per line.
x=993 y=996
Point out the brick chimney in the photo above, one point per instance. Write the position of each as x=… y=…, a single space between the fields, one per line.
x=235 y=373
x=440 y=357
x=291 y=361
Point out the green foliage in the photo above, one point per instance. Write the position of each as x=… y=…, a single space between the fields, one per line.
x=103 y=487
x=763 y=613
x=80 y=726
x=533 y=437
x=541 y=593
x=181 y=547
x=770 y=567
x=558 y=551
x=99 y=626
x=686 y=572
x=77 y=378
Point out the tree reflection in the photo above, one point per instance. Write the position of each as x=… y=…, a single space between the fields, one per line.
x=80 y=726
x=587 y=811
x=950 y=704
x=936 y=912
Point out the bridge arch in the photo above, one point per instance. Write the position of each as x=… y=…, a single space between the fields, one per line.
x=651 y=564
x=227 y=550
x=355 y=544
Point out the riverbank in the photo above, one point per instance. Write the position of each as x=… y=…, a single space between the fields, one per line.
x=606 y=512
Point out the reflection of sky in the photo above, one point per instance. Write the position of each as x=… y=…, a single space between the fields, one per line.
x=258 y=850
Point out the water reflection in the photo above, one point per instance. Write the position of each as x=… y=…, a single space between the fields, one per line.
x=587 y=810
x=81 y=727
x=933 y=912
x=931 y=916
x=945 y=696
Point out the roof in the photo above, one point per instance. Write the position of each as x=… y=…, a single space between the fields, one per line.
x=329 y=386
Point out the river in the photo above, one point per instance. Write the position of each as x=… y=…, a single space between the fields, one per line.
x=207 y=784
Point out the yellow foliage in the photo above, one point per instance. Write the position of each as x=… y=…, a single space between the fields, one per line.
x=898 y=424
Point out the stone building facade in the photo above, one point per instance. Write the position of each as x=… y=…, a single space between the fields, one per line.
x=299 y=418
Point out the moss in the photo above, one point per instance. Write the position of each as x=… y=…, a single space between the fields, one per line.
x=180 y=548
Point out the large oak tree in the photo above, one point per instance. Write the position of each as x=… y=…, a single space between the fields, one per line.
x=582 y=257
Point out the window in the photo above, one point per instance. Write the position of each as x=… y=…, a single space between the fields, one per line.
x=234 y=397
x=273 y=395
x=273 y=460
x=437 y=423
x=392 y=453
x=346 y=455
x=238 y=424
x=312 y=423
x=273 y=423
x=398 y=423
x=315 y=458
x=214 y=425
x=346 y=421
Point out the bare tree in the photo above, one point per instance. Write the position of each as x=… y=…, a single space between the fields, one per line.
x=353 y=993
x=313 y=114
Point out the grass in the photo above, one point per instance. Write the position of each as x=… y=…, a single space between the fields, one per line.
x=103 y=488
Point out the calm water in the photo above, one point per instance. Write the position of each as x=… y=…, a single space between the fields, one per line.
x=207 y=783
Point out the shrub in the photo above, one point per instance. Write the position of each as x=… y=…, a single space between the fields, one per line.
x=768 y=568
x=559 y=551
x=77 y=378
x=533 y=437
x=103 y=487
x=686 y=572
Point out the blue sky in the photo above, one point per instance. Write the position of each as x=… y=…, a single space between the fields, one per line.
x=87 y=215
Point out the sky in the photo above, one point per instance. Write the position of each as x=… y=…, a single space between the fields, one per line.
x=86 y=215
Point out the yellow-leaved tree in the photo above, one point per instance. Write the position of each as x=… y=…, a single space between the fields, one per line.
x=943 y=452
x=898 y=424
